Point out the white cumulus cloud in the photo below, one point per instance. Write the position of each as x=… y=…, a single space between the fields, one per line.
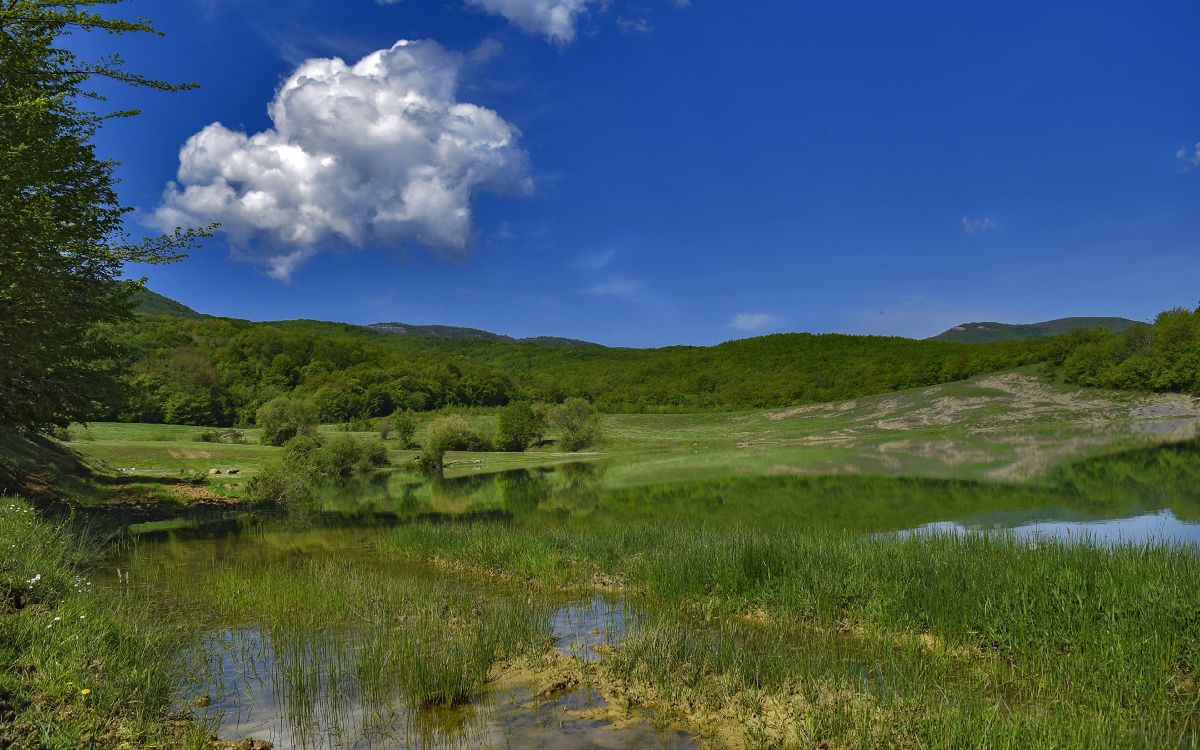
x=380 y=152
x=554 y=19
x=751 y=322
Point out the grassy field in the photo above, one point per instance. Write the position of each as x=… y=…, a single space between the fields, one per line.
x=1005 y=427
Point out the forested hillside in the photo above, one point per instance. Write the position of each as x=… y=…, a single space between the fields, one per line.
x=1164 y=356
x=219 y=371
x=203 y=370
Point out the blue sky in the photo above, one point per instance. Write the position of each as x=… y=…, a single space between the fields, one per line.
x=649 y=172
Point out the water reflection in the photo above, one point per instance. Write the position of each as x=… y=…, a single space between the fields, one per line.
x=1119 y=489
x=310 y=693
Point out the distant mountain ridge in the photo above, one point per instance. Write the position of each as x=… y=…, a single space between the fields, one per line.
x=458 y=333
x=151 y=303
x=147 y=302
x=991 y=332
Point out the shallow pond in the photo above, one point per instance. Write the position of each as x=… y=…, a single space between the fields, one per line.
x=301 y=616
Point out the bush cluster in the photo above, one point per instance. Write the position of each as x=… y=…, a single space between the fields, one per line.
x=1164 y=356
x=307 y=459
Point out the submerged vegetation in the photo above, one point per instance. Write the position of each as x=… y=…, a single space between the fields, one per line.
x=1057 y=643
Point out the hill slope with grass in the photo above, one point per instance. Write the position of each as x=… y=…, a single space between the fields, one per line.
x=991 y=332
x=147 y=302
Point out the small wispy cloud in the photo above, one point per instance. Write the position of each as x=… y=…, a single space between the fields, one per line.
x=594 y=261
x=978 y=225
x=615 y=289
x=634 y=25
x=751 y=322
x=1189 y=156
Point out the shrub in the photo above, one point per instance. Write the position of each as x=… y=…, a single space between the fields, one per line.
x=374 y=455
x=520 y=427
x=339 y=457
x=444 y=434
x=282 y=419
x=278 y=485
x=301 y=455
x=404 y=426
x=578 y=422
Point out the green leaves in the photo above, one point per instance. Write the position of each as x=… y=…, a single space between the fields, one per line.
x=62 y=238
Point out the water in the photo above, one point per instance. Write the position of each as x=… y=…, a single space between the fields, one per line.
x=272 y=674
x=252 y=698
x=1157 y=528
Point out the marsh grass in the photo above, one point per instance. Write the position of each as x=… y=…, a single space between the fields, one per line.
x=79 y=668
x=1058 y=643
x=346 y=647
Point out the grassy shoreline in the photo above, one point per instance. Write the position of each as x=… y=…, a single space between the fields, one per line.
x=79 y=667
x=763 y=625
x=988 y=641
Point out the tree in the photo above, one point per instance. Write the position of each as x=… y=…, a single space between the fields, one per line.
x=62 y=240
x=520 y=427
x=444 y=434
x=282 y=419
x=404 y=426
x=578 y=422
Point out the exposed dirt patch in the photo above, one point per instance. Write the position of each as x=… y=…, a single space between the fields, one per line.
x=1167 y=406
x=1027 y=392
x=839 y=407
x=945 y=452
x=943 y=411
x=189 y=454
x=195 y=493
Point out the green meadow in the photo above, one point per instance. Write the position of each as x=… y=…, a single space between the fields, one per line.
x=1008 y=427
x=864 y=573
x=674 y=584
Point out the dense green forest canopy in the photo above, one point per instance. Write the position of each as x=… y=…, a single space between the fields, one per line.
x=1161 y=357
x=219 y=371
